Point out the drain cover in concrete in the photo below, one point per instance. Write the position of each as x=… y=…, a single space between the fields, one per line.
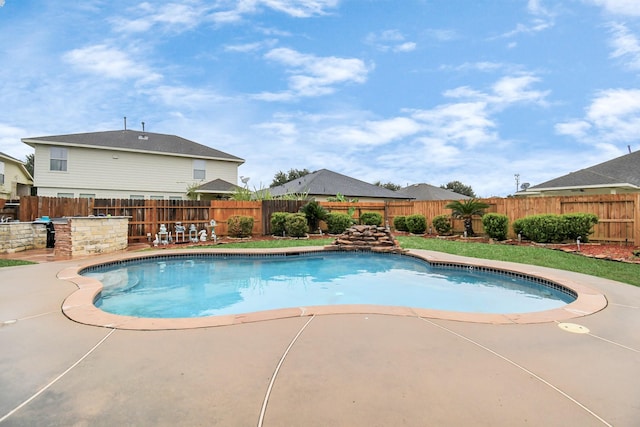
x=572 y=327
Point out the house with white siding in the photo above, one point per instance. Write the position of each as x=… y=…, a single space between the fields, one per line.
x=15 y=179
x=126 y=164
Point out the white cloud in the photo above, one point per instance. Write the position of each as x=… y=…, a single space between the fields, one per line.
x=390 y=40
x=300 y=8
x=373 y=132
x=618 y=7
x=506 y=91
x=187 y=14
x=251 y=47
x=466 y=123
x=513 y=89
x=612 y=117
x=541 y=19
x=179 y=96
x=626 y=46
x=442 y=35
x=111 y=63
x=312 y=75
x=11 y=143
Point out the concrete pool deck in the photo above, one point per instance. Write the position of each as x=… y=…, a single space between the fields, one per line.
x=332 y=369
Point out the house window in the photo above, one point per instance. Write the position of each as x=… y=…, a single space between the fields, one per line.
x=1 y=173
x=175 y=198
x=87 y=196
x=68 y=195
x=58 y=161
x=199 y=171
x=157 y=197
x=136 y=197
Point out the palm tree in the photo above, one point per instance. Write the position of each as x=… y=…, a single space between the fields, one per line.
x=465 y=210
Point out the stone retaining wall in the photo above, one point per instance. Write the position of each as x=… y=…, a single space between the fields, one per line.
x=366 y=237
x=21 y=236
x=91 y=235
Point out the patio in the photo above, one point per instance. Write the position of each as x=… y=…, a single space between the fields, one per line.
x=339 y=370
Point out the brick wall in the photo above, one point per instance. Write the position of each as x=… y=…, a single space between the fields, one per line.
x=21 y=236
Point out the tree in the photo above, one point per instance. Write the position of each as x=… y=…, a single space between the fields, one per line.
x=388 y=185
x=460 y=188
x=465 y=210
x=29 y=163
x=282 y=178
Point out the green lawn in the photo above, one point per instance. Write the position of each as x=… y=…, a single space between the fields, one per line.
x=622 y=272
x=12 y=262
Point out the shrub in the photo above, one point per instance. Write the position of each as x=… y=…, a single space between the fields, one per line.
x=400 y=223
x=495 y=225
x=518 y=226
x=314 y=212
x=240 y=226
x=580 y=225
x=277 y=223
x=442 y=224
x=296 y=225
x=416 y=224
x=337 y=222
x=371 y=218
x=550 y=228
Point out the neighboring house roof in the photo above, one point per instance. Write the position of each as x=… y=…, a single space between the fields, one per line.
x=20 y=163
x=132 y=140
x=430 y=192
x=217 y=186
x=623 y=171
x=327 y=183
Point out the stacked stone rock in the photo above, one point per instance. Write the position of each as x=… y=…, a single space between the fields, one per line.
x=366 y=237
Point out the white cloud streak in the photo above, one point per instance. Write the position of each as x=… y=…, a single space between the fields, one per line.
x=618 y=7
x=390 y=41
x=111 y=63
x=312 y=75
x=612 y=117
x=626 y=46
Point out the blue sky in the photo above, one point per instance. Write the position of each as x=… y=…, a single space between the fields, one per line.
x=404 y=91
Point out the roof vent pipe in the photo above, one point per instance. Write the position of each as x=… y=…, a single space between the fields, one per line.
x=125 y=122
x=143 y=136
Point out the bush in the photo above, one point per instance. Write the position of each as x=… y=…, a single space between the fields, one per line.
x=442 y=225
x=518 y=226
x=296 y=225
x=550 y=228
x=416 y=224
x=400 y=223
x=240 y=226
x=496 y=225
x=337 y=222
x=580 y=225
x=371 y=218
x=277 y=223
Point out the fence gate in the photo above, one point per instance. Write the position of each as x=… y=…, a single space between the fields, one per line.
x=271 y=206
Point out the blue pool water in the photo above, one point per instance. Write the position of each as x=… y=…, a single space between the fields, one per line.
x=171 y=287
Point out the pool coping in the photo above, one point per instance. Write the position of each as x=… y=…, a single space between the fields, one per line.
x=79 y=306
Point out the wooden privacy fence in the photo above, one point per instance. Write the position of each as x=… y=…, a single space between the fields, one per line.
x=619 y=214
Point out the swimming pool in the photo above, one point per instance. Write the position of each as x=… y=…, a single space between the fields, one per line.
x=198 y=285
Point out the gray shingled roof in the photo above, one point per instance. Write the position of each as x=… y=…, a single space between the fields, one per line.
x=135 y=140
x=327 y=183
x=430 y=192
x=217 y=186
x=10 y=158
x=621 y=170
